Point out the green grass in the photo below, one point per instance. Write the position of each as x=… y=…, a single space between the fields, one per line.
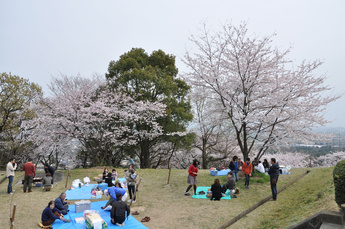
x=169 y=208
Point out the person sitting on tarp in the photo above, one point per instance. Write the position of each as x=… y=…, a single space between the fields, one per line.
x=51 y=170
x=61 y=204
x=260 y=168
x=51 y=213
x=109 y=180
x=112 y=192
x=230 y=184
x=47 y=182
x=118 y=211
x=216 y=190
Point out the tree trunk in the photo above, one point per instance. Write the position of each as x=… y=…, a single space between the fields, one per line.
x=145 y=161
x=204 y=154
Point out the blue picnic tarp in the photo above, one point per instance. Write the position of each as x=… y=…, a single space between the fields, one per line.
x=131 y=223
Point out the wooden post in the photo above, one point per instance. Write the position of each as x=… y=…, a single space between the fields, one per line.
x=14 y=213
x=68 y=175
x=169 y=173
x=342 y=207
x=3 y=179
x=137 y=189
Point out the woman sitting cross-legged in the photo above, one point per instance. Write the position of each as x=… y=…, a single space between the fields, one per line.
x=216 y=190
x=50 y=214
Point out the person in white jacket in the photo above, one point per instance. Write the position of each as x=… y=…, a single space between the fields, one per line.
x=260 y=167
x=11 y=166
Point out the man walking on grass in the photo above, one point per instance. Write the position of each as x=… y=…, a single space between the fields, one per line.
x=30 y=173
x=274 y=174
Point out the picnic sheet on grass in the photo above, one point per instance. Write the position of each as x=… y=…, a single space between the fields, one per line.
x=131 y=223
x=205 y=189
x=219 y=173
x=83 y=193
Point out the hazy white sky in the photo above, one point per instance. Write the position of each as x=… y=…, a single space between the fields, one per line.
x=43 y=38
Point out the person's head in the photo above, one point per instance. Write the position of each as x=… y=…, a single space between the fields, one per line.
x=130 y=157
x=63 y=196
x=110 y=174
x=106 y=169
x=273 y=160
x=229 y=174
x=114 y=170
x=48 y=174
x=248 y=160
x=12 y=159
x=118 y=196
x=234 y=159
x=51 y=204
x=195 y=162
x=259 y=162
x=130 y=167
x=265 y=160
x=30 y=159
x=118 y=184
x=46 y=165
x=216 y=182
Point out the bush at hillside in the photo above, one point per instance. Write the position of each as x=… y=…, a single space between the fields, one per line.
x=339 y=182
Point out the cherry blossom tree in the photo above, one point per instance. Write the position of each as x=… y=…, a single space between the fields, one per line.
x=267 y=99
x=214 y=139
x=94 y=114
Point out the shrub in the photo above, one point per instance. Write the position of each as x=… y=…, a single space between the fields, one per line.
x=339 y=182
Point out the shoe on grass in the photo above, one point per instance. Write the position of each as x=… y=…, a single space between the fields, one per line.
x=133 y=201
x=186 y=194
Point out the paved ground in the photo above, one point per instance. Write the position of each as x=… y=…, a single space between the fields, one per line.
x=58 y=177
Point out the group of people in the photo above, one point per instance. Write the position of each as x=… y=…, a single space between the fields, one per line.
x=55 y=210
x=29 y=174
x=236 y=166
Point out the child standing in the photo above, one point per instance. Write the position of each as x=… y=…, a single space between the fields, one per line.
x=248 y=169
x=114 y=174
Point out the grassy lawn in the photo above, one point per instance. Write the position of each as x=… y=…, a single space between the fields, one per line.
x=167 y=206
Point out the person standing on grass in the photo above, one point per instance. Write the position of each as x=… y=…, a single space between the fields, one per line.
x=192 y=174
x=233 y=166
x=11 y=166
x=274 y=174
x=30 y=173
x=130 y=183
x=248 y=169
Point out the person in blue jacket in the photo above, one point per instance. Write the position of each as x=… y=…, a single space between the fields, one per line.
x=274 y=174
x=112 y=192
x=51 y=213
x=61 y=204
x=233 y=166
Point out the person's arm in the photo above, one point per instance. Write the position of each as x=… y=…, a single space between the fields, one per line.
x=242 y=168
x=34 y=170
x=251 y=169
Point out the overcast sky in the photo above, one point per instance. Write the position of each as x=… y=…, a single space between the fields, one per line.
x=44 y=38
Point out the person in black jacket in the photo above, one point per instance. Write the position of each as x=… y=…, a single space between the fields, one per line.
x=274 y=174
x=216 y=190
x=51 y=170
x=266 y=165
x=118 y=211
x=109 y=180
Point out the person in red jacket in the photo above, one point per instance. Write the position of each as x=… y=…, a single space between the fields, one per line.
x=192 y=174
x=248 y=169
x=30 y=173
